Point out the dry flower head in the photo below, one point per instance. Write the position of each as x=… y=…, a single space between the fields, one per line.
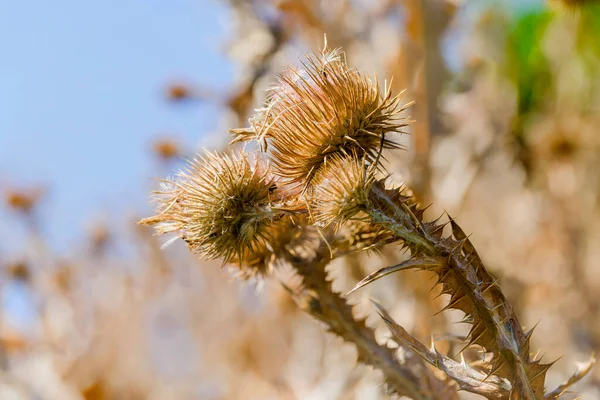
x=221 y=206
x=340 y=190
x=320 y=110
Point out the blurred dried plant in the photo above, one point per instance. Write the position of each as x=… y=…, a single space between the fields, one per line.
x=179 y=92
x=24 y=200
x=166 y=148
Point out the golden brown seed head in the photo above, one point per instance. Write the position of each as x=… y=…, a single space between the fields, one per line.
x=321 y=110
x=340 y=190
x=220 y=206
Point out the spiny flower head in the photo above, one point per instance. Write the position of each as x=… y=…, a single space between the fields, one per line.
x=222 y=206
x=321 y=110
x=340 y=190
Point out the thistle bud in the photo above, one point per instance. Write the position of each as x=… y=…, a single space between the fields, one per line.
x=321 y=110
x=221 y=206
x=340 y=190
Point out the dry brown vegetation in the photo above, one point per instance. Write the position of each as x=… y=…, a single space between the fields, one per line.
x=322 y=203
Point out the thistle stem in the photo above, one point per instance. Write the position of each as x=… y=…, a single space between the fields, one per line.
x=387 y=213
x=467 y=283
x=320 y=301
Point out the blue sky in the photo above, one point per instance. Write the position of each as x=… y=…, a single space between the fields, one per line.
x=81 y=98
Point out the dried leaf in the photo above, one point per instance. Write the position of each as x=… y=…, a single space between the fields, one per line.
x=582 y=370
x=468 y=379
x=419 y=262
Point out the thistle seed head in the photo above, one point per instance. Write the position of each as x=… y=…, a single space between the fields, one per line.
x=340 y=190
x=222 y=206
x=321 y=110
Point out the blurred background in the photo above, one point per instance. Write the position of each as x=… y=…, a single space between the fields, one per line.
x=98 y=98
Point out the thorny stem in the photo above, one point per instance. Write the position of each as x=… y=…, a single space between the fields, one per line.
x=320 y=301
x=402 y=223
x=397 y=221
x=512 y=342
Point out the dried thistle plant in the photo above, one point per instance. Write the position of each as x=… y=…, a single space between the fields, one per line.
x=323 y=129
